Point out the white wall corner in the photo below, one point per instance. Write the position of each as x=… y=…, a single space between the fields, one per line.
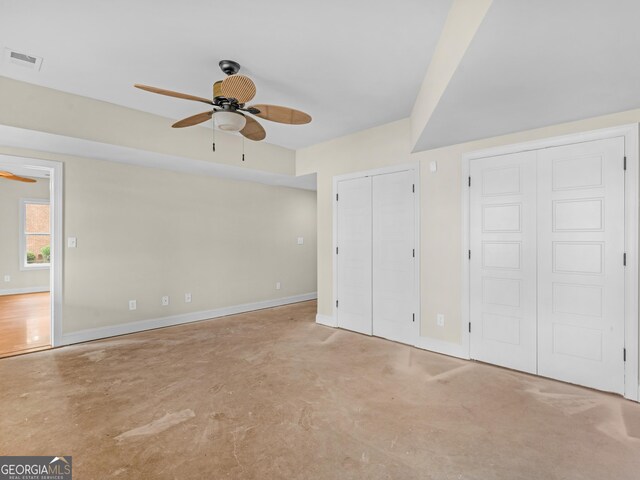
x=326 y=320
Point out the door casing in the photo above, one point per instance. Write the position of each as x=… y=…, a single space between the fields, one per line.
x=630 y=134
x=55 y=171
x=415 y=168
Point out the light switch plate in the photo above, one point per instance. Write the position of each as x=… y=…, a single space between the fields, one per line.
x=72 y=242
x=187 y=298
x=433 y=166
x=7 y=278
x=277 y=285
x=300 y=240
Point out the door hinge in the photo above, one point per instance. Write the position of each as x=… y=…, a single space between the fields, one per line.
x=469 y=181
x=625 y=163
x=414 y=253
x=414 y=317
x=624 y=259
x=413 y=188
x=336 y=250
x=336 y=197
x=336 y=303
x=469 y=327
x=469 y=254
x=624 y=354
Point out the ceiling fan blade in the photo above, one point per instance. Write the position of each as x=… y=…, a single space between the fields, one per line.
x=239 y=87
x=193 y=120
x=11 y=176
x=170 y=93
x=253 y=130
x=279 y=114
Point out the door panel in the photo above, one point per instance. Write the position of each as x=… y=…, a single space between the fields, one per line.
x=503 y=260
x=580 y=270
x=394 y=292
x=354 y=256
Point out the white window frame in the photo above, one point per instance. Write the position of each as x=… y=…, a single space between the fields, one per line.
x=23 y=235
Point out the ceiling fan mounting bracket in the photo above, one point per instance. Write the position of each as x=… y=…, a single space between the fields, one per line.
x=229 y=67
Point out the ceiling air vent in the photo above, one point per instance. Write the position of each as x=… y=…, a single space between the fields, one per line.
x=22 y=59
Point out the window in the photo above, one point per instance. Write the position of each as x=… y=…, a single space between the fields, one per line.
x=35 y=245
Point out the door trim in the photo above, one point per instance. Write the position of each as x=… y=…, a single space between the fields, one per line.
x=630 y=134
x=415 y=167
x=55 y=171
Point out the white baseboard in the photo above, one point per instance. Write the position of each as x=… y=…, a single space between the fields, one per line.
x=141 y=325
x=18 y=291
x=440 y=346
x=327 y=320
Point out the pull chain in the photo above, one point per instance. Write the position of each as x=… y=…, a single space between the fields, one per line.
x=214 y=133
x=243 y=148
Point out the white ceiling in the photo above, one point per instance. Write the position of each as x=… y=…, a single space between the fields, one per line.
x=350 y=64
x=539 y=63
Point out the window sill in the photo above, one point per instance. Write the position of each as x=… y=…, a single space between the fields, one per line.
x=45 y=266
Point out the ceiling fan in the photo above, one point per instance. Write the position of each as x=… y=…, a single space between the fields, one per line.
x=11 y=176
x=229 y=111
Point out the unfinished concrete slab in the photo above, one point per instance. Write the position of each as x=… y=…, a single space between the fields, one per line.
x=270 y=394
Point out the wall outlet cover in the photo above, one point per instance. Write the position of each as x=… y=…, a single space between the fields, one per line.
x=187 y=298
x=440 y=320
x=165 y=300
x=133 y=304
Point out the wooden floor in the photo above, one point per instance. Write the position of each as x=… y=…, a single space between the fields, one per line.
x=25 y=323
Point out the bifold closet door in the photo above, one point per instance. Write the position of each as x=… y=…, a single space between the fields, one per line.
x=503 y=260
x=580 y=270
x=394 y=304
x=354 y=262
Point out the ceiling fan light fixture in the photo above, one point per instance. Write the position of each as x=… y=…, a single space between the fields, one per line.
x=229 y=121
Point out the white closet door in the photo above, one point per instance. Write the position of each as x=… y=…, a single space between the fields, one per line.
x=354 y=255
x=581 y=272
x=394 y=303
x=503 y=260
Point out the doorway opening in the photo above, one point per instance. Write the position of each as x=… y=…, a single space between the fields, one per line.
x=30 y=255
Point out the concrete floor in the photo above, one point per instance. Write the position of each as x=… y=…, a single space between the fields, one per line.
x=270 y=395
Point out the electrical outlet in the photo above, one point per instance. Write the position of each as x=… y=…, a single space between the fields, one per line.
x=277 y=285
x=300 y=240
x=187 y=298
x=133 y=304
x=440 y=320
x=7 y=278
x=165 y=300
x=72 y=242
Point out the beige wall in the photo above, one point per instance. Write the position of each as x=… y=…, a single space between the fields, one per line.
x=10 y=195
x=440 y=205
x=144 y=232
